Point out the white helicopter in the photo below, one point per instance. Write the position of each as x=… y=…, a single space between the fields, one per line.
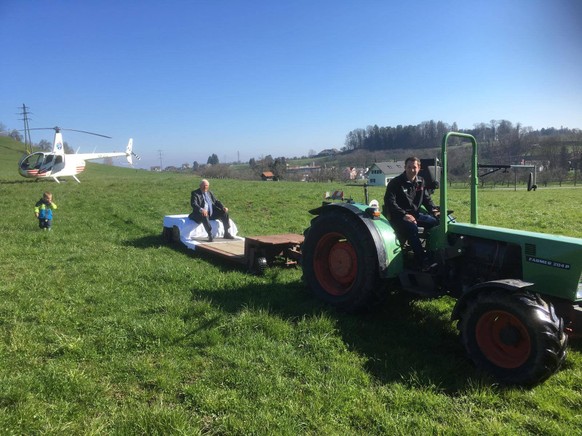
x=57 y=163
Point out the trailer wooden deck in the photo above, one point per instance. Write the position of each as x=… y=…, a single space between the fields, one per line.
x=257 y=252
x=231 y=249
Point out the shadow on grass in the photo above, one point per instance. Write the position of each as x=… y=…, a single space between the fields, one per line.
x=400 y=341
x=150 y=241
x=219 y=261
x=403 y=340
x=20 y=182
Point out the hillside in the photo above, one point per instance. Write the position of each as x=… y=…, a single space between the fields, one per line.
x=10 y=153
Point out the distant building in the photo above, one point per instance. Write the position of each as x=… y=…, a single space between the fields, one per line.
x=349 y=173
x=156 y=168
x=267 y=176
x=380 y=173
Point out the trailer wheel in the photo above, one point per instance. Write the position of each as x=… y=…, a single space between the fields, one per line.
x=170 y=234
x=340 y=263
x=517 y=337
x=167 y=235
x=261 y=265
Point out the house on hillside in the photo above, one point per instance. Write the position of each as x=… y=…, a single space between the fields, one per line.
x=267 y=176
x=361 y=173
x=380 y=173
x=349 y=173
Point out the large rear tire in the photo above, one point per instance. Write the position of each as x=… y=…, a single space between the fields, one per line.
x=340 y=263
x=516 y=337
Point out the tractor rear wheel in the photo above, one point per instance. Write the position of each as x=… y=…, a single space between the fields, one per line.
x=340 y=263
x=516 y=337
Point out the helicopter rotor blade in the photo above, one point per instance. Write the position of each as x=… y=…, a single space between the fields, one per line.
x=58 y=129
x=90 y=133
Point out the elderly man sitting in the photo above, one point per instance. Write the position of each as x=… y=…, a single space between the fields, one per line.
x=206 y=207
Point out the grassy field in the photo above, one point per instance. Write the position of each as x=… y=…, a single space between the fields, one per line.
x=104 y=329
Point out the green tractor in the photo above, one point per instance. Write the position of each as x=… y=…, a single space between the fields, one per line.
x=519 y=293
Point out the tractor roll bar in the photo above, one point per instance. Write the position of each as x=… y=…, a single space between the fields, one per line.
x=474 y=177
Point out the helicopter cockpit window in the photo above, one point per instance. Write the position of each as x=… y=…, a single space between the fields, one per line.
x=32 y=161
x=58 y=160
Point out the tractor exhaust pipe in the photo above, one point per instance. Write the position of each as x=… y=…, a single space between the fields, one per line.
x=366 y=193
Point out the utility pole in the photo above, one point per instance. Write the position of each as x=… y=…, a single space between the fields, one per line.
x=161 y=165
x=27 y=140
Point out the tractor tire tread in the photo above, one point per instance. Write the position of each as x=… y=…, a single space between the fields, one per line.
x=547 y=335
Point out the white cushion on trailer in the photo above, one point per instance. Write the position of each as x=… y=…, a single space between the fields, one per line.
x=191 y=230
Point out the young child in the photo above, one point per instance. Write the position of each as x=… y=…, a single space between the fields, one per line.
x=43 y=209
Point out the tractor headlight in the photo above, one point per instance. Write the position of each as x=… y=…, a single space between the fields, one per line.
x=373 y=212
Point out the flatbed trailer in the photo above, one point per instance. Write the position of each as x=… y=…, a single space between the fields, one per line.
x=256 y=253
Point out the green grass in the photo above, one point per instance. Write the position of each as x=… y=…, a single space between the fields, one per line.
x=103 y=329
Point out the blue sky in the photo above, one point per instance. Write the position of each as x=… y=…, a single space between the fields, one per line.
x=247 y=79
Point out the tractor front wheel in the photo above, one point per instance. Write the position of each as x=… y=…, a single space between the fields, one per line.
x=516 y=337
x=339 y=261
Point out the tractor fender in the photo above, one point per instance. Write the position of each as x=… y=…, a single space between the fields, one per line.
x=507 y=284
x=348 y=208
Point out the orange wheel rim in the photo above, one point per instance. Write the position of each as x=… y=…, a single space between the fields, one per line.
x=503 y=339
x=335 y=264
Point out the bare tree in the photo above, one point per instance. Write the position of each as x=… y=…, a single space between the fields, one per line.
x=15 y=134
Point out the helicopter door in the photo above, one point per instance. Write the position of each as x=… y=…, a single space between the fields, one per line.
x=59 y=164
x=48 y=163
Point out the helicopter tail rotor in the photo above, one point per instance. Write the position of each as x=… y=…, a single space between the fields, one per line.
x=129 y=154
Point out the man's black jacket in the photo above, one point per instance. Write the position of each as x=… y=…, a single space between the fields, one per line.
x=404 y=197
x=197 y=202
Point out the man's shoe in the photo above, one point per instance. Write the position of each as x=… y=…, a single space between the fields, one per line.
x=228 y=236
x=210 y=238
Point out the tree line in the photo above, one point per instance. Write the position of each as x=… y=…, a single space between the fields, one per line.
x=500 y=141
x=555 y=152
x=373 y=138
x=513 y=137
